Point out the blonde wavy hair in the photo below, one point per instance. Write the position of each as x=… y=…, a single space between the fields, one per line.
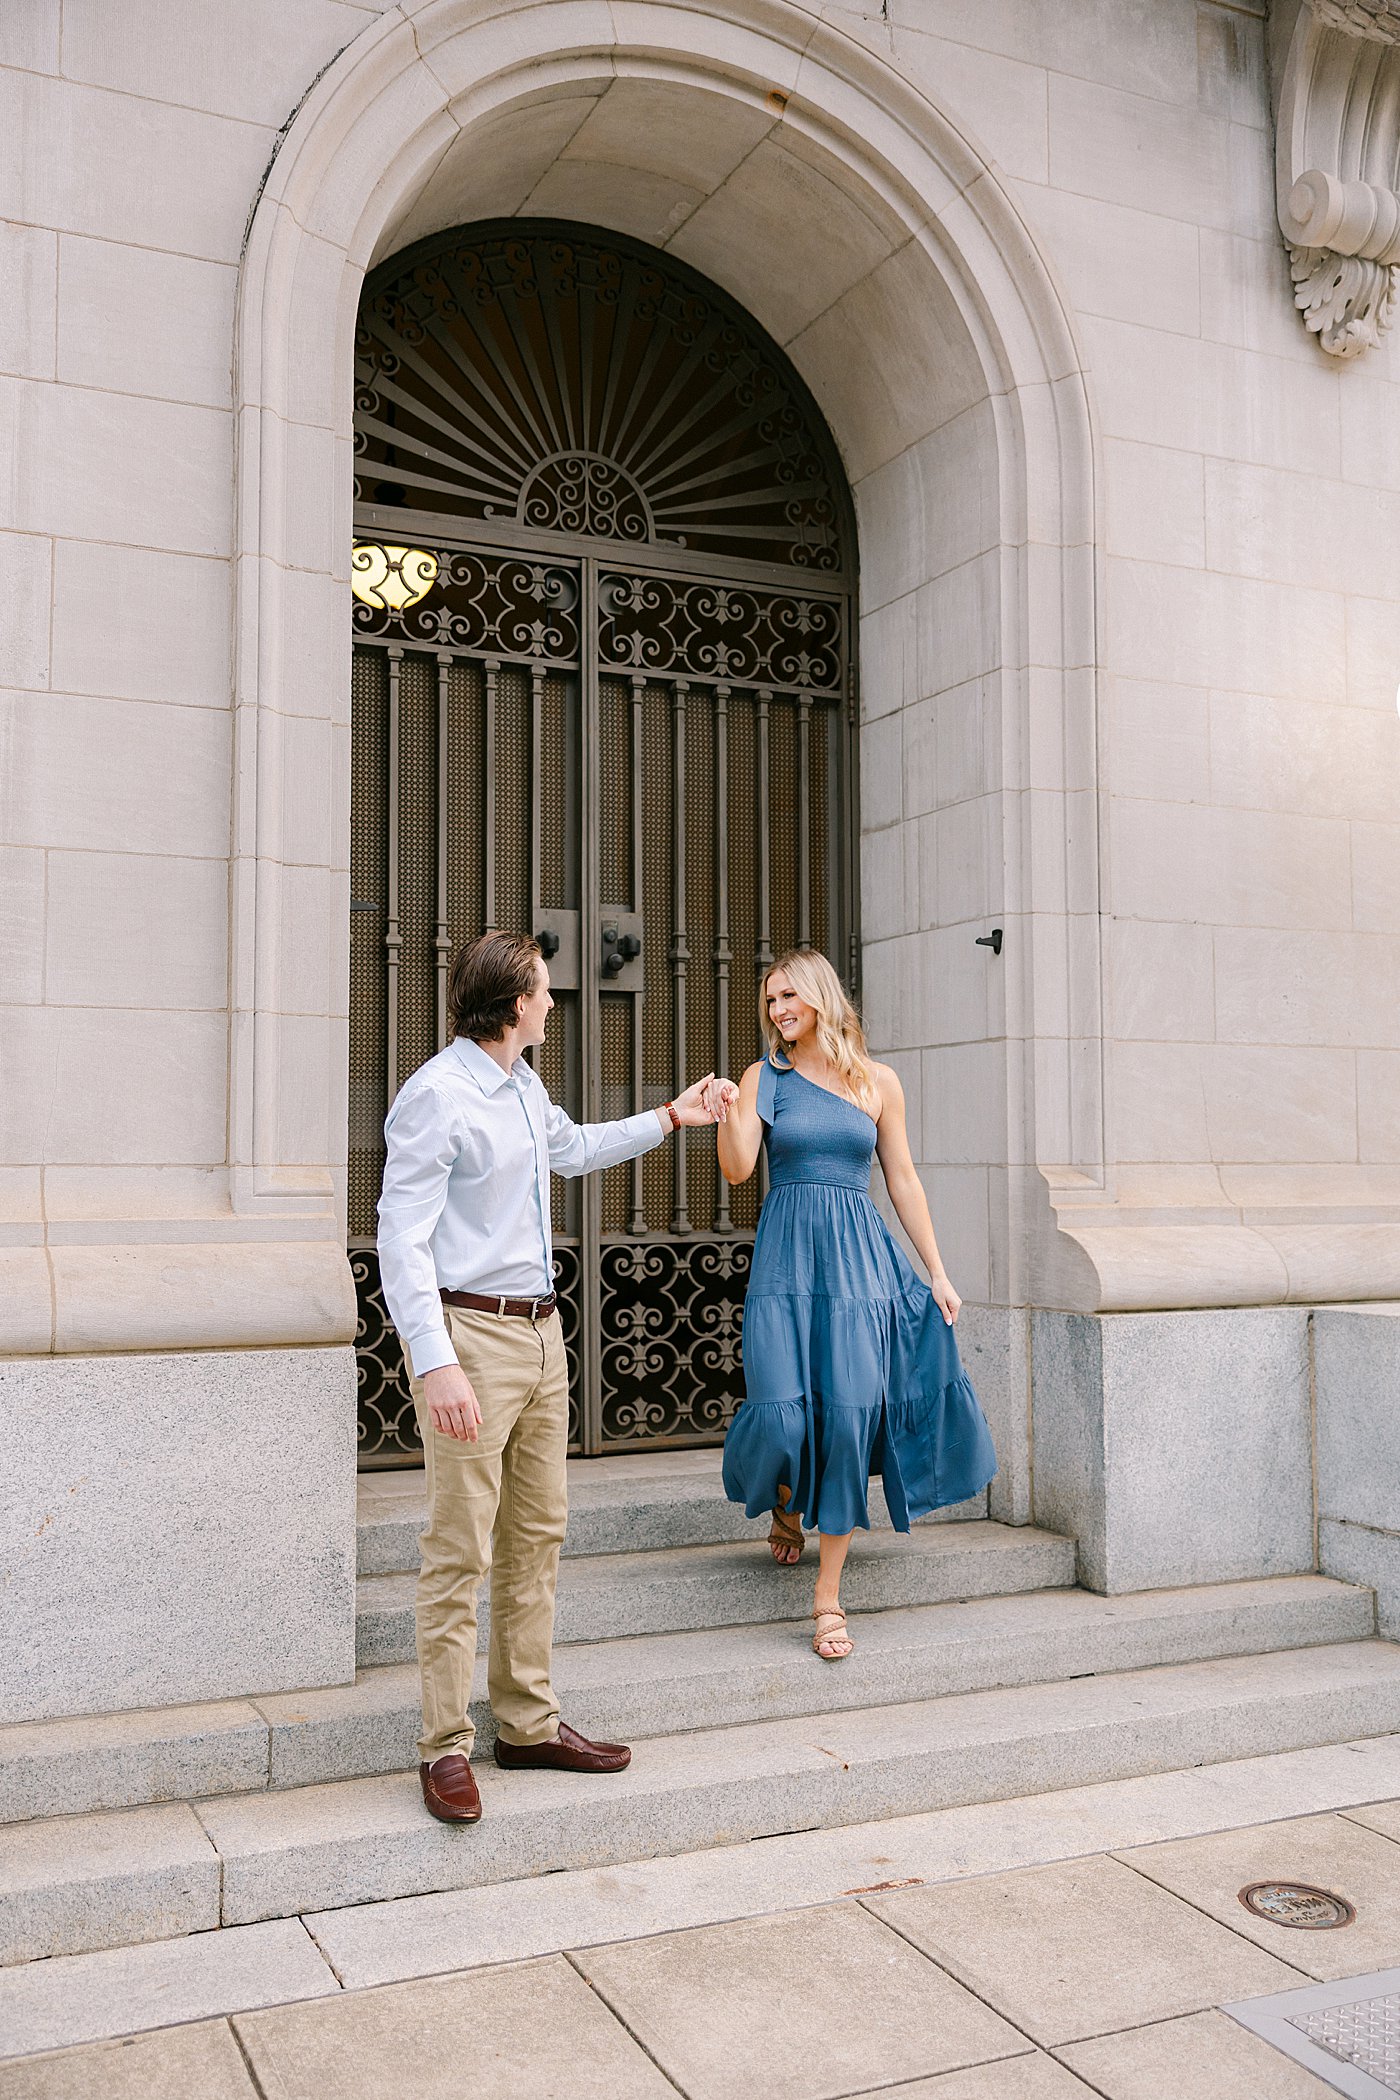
x=840 y=1037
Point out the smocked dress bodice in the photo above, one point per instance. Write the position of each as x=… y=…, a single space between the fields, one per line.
x=814 y=1135
x=849 y=1366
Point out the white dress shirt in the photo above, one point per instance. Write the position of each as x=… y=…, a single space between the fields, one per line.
x=465 y=1205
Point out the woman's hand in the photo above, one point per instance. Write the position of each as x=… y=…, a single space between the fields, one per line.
x=720 y=1096
x=945 y=1298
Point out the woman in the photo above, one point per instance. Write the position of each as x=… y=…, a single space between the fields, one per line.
x=849 y=1359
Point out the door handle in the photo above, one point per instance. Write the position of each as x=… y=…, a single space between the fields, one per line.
x=618 y=951
x=549 y=944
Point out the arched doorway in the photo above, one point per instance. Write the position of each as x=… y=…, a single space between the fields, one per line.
x=602 y=689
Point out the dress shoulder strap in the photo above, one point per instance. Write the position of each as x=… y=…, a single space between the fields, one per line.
x=767 y=1091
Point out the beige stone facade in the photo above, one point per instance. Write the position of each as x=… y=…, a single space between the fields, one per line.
x=1130 y=648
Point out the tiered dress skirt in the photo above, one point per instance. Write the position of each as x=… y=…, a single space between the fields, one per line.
x=850 y=1368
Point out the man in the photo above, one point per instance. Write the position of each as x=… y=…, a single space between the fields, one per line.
x=467 y=1265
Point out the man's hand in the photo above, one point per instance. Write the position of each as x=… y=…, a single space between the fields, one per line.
x=708 y=1101
x=452 y=1402
x=692 y=1106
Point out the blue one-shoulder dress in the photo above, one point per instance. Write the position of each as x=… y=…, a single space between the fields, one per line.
x=849 y=1366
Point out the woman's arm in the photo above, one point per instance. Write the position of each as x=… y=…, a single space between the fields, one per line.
x=907 y=1191
x=739 y=1137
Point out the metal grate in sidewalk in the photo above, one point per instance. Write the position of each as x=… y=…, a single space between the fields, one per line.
x=1346 y=2033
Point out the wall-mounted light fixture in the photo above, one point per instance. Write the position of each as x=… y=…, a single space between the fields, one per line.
x=391 y=578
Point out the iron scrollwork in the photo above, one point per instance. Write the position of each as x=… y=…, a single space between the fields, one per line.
x=501 y=605
x=671 y=1318
x=388 y=1425
x=568 y=1287
x=646 y=428
x=741 y=634
x=576 y=492
x=388 y=1429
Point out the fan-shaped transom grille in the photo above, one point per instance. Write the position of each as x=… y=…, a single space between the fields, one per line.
x=574 y=382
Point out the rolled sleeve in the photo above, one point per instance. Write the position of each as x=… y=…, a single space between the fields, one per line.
x=422 y=1147
x=579 y=1148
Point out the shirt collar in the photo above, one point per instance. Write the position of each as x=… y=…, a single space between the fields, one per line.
x=484 y=1069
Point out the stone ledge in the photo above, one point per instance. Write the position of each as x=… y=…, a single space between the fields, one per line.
x=1097 y=1265
x=101 y=1881
x=121 y=1297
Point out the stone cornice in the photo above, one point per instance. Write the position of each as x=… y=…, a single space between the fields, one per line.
x=1338 y=145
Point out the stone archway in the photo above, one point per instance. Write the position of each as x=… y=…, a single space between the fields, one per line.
x=874 y=242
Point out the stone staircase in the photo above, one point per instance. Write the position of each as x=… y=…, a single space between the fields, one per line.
x=981 y=1673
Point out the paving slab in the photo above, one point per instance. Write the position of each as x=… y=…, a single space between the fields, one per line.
x=125 y=1760
x=1330 y=1852
x=1014 y=2078
x=184 y=2063
x=75 y=1882
x=1079 y=1949
x=76 y=1998
x=532 y=2032
x=1383 y=1816
x=1204 y=2056
x=121 y=1990
x=805 y=2005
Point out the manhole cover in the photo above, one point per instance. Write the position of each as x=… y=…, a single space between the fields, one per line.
x=1297 y=1903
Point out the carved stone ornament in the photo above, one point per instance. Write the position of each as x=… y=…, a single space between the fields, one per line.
x=1379 y=19
x=1338 y=131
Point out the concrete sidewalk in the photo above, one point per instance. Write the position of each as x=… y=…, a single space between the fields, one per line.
x=1079 y=1943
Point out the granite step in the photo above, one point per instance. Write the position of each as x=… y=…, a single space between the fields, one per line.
x=662 y=1684
x=133 y=1875
x=684 y=1588
x=638 y=1503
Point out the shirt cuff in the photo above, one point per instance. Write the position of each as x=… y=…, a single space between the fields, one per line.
x=431 y=1351
x=647 y=1128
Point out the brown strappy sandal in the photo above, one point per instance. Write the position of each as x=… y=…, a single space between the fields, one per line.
x=785 y=1530
x=833 y=1633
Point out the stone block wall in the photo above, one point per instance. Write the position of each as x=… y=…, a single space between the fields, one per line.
x=1175 y=1447
x=1248 y=663
x=1357 y=1373
x=1129 y=655
x=176 y=1527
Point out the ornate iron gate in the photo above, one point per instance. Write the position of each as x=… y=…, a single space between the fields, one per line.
x=602 y=691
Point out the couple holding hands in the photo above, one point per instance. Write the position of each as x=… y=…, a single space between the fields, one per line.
x=850 y=1366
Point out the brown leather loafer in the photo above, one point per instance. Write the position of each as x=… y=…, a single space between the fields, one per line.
x=449 y=1789
x=569 y=1752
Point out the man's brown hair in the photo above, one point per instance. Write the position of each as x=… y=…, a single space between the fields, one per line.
x=487 y=977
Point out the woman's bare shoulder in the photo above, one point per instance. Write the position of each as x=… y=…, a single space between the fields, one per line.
x=748 y=1080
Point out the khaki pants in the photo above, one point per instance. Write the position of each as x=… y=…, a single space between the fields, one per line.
x=498 y=1504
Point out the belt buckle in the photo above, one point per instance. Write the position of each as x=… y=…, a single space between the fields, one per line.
x=500 y=1308
x=534 y=1312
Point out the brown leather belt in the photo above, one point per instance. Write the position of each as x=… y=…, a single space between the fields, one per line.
x=509 y=1308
